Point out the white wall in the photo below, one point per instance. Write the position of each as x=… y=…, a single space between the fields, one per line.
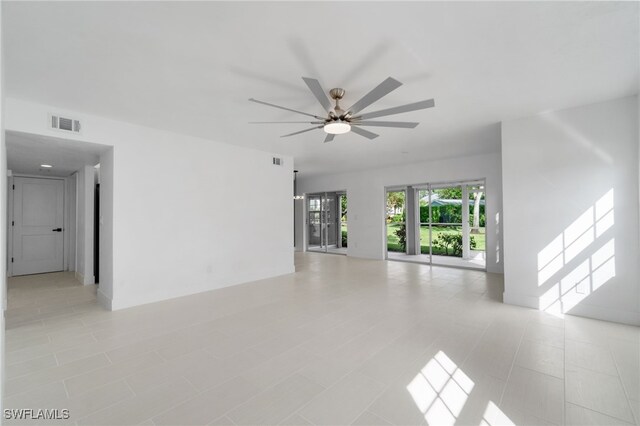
x=189 y=214
x=570 y=181
x=105 y=285
x=366 y=198
x=85 y=196
x=3 y=217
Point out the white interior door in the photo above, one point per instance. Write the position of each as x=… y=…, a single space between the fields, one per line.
x=38 y=243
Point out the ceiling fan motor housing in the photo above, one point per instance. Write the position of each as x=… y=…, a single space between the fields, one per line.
x=336 y=93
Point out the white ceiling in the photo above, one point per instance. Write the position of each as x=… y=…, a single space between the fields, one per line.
x=191 y=66
x=26 y=152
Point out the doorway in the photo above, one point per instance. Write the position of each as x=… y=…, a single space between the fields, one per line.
x=37 y=225
x=54 y=218
x=327 y=222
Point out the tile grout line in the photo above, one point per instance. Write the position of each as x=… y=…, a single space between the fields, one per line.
x=564 y=366
x=513 y=363
x=624 y=388
x=108 y=406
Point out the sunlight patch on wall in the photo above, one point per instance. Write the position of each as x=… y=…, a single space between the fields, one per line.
x=576 y=238
x=576 y=136
x=581 y=281
x=590 y=274
x=440 y=390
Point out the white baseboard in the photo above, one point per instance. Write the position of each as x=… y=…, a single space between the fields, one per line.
x=580 y=310
x=104 y=301
x=85 y=280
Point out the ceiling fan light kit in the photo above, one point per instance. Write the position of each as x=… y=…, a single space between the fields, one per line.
x=339 y=121
x=337 y=128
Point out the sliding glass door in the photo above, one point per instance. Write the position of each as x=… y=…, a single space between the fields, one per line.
x=325 y=224
x=437 y=223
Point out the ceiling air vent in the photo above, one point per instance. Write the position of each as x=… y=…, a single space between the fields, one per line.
x=65 y=124
x=277 y=161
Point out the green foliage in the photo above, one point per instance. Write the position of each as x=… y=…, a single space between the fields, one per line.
x=452 y=193
x=344 y=238
x=401 y=233
x=393 y=243
x=396 y=218
x=453 y=242
x=343 y=207
x=448 y=214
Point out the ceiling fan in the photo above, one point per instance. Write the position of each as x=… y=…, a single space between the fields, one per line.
x=340 y=121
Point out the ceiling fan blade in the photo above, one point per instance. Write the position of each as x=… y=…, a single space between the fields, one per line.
x=318 y=92
x=382 y=89
x=285 y=108
x=302 y=131
x=329 y=137
x=362 y=132
x=403 y=124
x=285 y=122
x=399 y=109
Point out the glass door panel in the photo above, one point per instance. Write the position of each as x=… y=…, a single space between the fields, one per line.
x=396 y=222
x=446 y=223
x=331 y=220
x=342 y=240
x=314 y=221
x=477 y=224
x=424 y=218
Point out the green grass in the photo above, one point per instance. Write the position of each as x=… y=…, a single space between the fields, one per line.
x=394 y=245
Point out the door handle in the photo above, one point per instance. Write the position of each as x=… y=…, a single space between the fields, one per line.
x=57 y=230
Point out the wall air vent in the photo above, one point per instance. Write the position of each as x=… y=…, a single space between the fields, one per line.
x=65 y=124
x=277 y=161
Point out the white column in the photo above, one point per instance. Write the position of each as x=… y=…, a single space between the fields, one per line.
x=412 y=230
x=466 y=249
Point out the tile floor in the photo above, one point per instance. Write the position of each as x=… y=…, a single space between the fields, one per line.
x=342 y=341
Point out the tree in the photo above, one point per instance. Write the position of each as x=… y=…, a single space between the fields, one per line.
x=395 y=201
x=476 y=213
x=451 y=193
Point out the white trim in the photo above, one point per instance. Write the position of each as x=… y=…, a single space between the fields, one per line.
x=9 y=226
x=72 y=210
x=104 y=301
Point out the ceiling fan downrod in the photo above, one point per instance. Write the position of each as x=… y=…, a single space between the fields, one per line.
x=338 y=113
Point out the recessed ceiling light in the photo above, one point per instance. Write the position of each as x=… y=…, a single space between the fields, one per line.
x=337 y=128
x=46 y=166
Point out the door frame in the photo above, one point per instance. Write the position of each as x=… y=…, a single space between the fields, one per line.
x=66 y=212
